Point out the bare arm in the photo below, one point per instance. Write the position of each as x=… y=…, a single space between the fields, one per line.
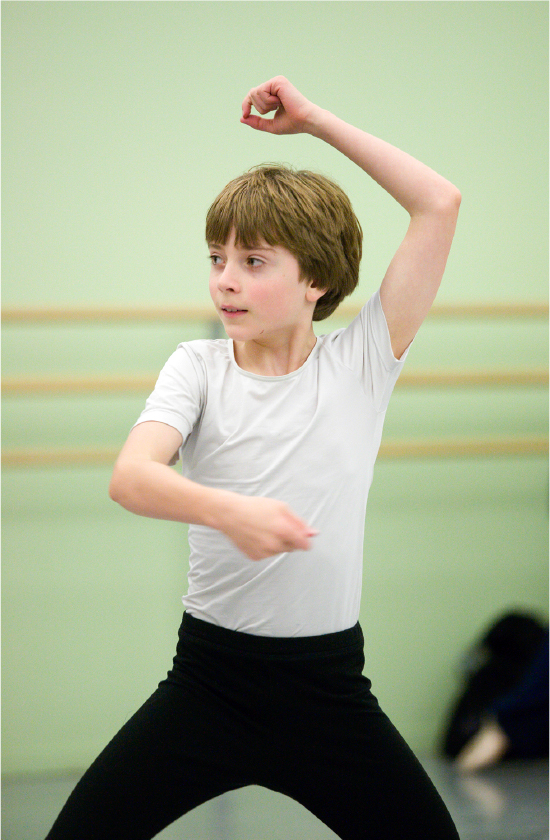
x=413 y=277
x=415 y=272
x=144 y=483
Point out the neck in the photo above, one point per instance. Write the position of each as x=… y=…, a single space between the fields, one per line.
x=274 y=358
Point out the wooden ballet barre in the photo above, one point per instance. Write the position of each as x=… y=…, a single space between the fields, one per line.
x=464 y=447
x=42 y=385
x=390 y=449
x=472 y=378
x=206 y=313
x=60 y=457
x=107 y=314
x=144 y=383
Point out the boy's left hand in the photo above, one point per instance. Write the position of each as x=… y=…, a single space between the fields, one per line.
x=294 y=114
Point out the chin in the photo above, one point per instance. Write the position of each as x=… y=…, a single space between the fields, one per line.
x=238 y=333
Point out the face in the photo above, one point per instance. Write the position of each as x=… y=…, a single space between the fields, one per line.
x=257 y=291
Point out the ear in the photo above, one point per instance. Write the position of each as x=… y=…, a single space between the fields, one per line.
x=313 y=293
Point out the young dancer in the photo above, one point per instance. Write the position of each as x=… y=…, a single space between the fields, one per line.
x=278 y=431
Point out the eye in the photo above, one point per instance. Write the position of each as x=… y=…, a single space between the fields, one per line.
x=254 y=260
x=213 y=257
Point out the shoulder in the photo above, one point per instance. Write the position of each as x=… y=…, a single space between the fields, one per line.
x=205 y=347
x=369 y=319
x=202 y=354
x=192 y=365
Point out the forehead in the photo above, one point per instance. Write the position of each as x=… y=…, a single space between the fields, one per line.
x=257 y=242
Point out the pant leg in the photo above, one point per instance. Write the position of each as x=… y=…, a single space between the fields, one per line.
x=187 y=744
x=343 y=759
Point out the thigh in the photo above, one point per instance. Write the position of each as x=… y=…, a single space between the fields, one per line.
x=383 y=793
x=166 y=760
x=349 y=765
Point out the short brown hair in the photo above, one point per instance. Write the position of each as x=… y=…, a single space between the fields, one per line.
x=306 y=213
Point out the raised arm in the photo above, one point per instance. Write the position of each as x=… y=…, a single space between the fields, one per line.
x=415 y=272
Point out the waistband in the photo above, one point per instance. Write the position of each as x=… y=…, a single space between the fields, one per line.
x=292 y=646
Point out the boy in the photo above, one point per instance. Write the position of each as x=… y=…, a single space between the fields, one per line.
x=278 y=431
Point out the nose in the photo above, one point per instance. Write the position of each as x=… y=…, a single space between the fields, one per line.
x=228 y=279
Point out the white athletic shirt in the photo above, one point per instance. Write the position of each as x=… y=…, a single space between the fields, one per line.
x=309 y=439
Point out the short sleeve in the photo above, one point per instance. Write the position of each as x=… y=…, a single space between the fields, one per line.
x=179 y=394
x=365 y=347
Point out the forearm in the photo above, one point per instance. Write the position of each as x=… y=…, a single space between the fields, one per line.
x=152 y=489
x=259 y=527
x=415 y=186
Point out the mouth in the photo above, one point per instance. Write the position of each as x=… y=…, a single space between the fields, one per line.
x=232 y=311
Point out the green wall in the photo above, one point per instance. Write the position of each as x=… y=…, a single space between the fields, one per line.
x=120 y=125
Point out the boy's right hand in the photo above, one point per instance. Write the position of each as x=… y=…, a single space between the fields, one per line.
x=262 y=527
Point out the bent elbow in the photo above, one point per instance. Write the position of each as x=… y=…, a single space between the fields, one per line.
x=116 y=486
x=452 y=200
x=113 y=490
x=443 y=203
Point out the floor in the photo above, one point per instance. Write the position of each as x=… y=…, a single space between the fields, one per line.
x=507 y=802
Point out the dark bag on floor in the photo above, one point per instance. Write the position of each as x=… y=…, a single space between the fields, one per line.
x=493 y=667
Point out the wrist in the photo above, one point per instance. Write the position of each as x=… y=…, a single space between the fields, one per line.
x=218 y=508
x=317 y=121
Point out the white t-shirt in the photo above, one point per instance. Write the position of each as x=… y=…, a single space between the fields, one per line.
x=309 y=439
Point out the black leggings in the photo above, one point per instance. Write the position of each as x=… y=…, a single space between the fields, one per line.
x=295 y=715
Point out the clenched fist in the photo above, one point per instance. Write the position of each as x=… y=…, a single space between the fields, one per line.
x=262 y=527
x=294 y=114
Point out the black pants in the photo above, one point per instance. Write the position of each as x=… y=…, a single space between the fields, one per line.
x=295 y=715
